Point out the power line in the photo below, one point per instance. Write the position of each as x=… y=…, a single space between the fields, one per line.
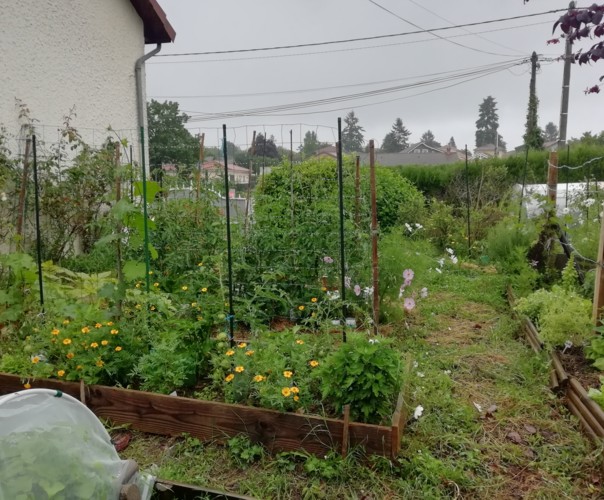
x=361 y=39
x=435 y=34
x=348 y=49
x=317 y=89
x=467 y=31
x=265 y=111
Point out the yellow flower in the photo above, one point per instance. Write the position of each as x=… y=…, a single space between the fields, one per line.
x=138 y=285
x=85 y=330
x=27 y=385
x=259 y=378
x=70 y=355
x=118 y=348
x=200 y=264
x=287 y=374
x=109 y=323
x=193 y=304
x=314 y=363
x=242 y=345
x=104 y=342
x=138 y=306
x=286 y=391
x=313 y=300
x=301 y=308
x=229 y=377
x=150 y=273
x=94 y=345
x=60 y=373
x=66 y=341
x=114 y=332
x=100 y=363
x=295 y=390
x=239 y=369
x=35 y=360
x=153 y=308
x=184 y=288
x=204 y=289
x=55 y=331
x=156 y=284
x=299 y=342
x=249 y=353
x=98 y=325
x=65 y=321
x=296 y=398
x=230 y=352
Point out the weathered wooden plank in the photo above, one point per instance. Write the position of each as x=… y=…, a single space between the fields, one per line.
x=209 y=420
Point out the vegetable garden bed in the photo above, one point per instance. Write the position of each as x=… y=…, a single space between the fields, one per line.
x=214 y=421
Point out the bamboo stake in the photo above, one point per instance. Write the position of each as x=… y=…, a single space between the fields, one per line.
x=374 y=239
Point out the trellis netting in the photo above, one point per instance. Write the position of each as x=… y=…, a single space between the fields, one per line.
x=54 y=447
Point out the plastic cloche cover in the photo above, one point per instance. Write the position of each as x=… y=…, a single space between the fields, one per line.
x=52 y=446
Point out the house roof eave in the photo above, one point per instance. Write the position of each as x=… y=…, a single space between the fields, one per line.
x=157 y=28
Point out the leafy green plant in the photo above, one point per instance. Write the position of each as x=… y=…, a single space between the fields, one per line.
x=598 y=394
x=561 y=316
x=363 y=373
x=243 y=451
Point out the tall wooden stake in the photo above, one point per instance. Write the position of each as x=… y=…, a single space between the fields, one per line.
x=119 y=227
x=201 y=156
x=599 y=283
x=249 y=181
x=552 y=180
x=357 y=193
x=342 y=250
x=374 y=239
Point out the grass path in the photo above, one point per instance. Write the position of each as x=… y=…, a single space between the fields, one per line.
x=490 y=428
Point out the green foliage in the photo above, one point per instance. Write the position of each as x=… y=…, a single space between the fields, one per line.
x=364 y=373
x=311 y=144
x=598 y=394
x=487 y=124
x=397 y=139
x=243 y=451
x=595 y=350
x=560 y=314
x=352 y=134
x=428 y=139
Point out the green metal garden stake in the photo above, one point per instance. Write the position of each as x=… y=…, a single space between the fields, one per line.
x=145 y=223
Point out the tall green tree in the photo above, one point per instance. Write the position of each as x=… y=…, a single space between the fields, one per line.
x=551 y=132
x=311 y=144
x=488 y=124
x=352 y=134
x=266 y=147
x=169 y=140
x=397 y=139
x=452 y=143
x=428 y=139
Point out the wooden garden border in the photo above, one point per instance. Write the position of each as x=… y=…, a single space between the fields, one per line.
x=589 y=413
x=214 y=421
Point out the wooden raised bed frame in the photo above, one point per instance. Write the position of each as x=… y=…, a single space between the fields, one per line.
x=213 y=421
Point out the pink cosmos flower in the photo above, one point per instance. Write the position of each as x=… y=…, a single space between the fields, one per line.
x=327 y=260
x=357 y=290
x=409 y=304
x=408 y=275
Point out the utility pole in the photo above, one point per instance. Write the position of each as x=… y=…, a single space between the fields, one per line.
x=565 y=89
x=531 y=138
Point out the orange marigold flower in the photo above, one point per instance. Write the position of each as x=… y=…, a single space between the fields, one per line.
x=259 y=378
x=27 y=385
x=242 y=345
x=98 y=325
x=85 y=330
x=114 y=332
x=94 y=345
x=60 y=373
x=286 y=391
x=66 y=341
x=65 y=321
x=295 y=390
x=249 y=353
x=204 y=290
x=55 y=331
x=299 y=342
x=100 y=363
x=155 y=284
x=287 y=374
x=230 y=352
x=70 y=355
x=301 y=308
x=184 y=288
x=109 y=323
x=104 y=342
x=118 y=348
x=35 y=360
x=153 y=308
x=296 y=398
x=229 y=377
x=239 y=369
x=314 y=363
x=313 y=300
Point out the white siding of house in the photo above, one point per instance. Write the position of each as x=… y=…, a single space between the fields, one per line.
x=56 y=55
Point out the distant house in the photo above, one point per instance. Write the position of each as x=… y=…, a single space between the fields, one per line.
x=169 y=169
x=77 y=55
x=327 y=152
x=489 y=151
x=417 y=154
x=214 y=169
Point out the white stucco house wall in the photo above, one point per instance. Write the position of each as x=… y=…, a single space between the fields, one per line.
x=62 y=55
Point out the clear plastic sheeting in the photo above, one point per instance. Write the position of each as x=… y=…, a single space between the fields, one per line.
x=54 y=447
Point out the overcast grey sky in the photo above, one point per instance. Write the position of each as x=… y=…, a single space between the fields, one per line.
x=282 y=77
